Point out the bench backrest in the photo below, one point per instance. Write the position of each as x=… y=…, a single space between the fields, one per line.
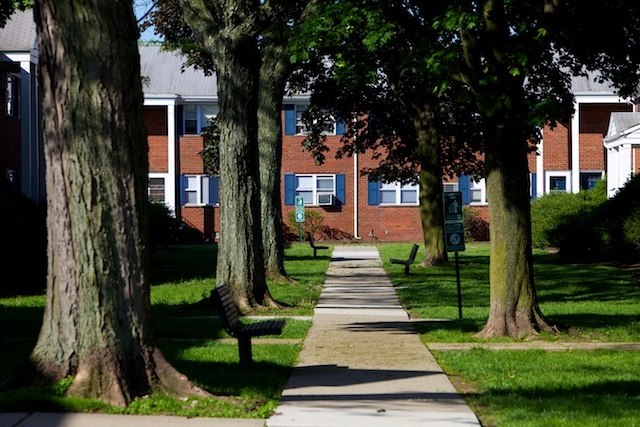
x=311 y=239
x=226 y=306
x=414 y=251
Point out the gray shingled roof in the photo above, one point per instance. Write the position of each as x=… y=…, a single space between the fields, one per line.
x=621 y=123
x=19 y=33
x=163 y=75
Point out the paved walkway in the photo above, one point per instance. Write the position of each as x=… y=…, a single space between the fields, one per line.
x=362 y=363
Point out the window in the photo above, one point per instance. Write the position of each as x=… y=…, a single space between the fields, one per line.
x=12 y=88
x=449 y=187
x=197 y=117
x=191 y=119
x=393 y=194
x=311 y=186
x=558 y=181
x=588 y=180
x=477 y=192
x=156 y=190
x=294 y=124
x=200 y=190
x=315 y=189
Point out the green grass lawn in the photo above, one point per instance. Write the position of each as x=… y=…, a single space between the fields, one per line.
x=189 y=336
x=505 y=388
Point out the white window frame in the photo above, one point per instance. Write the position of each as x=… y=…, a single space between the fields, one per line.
x=200 y=188
x=202 y=113
x=548 y=175
x=301 y=129
x=480 y=187
x=313 y=189
x=398 y=189
x=450 y=187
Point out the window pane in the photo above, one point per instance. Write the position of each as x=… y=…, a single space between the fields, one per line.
x=476 y=196
x=558 y=183
x=190 y=119
x=191 y=182
x=408 y=196
x=325 y=184
x=304 y=182
x=192 y=197
x=156 y=189
x=588 y=180
x=307 y=196
x=388 y=196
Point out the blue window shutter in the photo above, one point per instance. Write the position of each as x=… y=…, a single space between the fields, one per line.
x=180 y=120
x=340 y=188
x=183 y=185
x=214 y=190
x=464 y=188
x=534 y=186
x=289 y=119
x=340 y=126
x=289 y=189
x=373 y=192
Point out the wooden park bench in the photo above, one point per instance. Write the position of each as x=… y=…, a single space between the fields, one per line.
x=314 y=246
x=406 y=262
x=243 y=332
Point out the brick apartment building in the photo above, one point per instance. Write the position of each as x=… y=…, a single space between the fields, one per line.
x=601 y=138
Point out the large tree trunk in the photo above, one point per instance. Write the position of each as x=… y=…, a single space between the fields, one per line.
x=514 y=309
x=97 y=325
x=273 y=75
x=226 y=31
x=431 y=214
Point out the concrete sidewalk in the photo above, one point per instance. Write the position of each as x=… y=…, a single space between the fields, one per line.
x=362 y=363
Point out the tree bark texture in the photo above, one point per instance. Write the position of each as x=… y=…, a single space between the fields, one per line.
x=431 y=214
x=227 y=32
x=273 y=75
x=97 y=325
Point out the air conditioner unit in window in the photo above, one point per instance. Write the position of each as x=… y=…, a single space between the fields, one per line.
x=325 y=199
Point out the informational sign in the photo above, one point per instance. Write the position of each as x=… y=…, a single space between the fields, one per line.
x=299 y=209
x=452 y=206
x=454 y=236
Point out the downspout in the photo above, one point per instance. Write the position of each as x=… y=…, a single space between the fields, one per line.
x=355 y=196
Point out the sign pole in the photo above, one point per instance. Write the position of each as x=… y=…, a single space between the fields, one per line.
x=458 y=282
x=300 y=232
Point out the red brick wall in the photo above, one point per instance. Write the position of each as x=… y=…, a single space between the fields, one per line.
x=594 y=122
x=557 y=147
x=155 y=120
x=190 y=160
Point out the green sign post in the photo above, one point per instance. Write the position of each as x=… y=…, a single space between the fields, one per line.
x=454 y=232
x=300 y=213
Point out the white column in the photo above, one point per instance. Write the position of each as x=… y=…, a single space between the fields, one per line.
x=171 y=193
x=540 y=190
x=574 y=185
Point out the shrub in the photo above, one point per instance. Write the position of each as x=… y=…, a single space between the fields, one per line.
x=567 y=221
x=313 y=220
x=164 y=228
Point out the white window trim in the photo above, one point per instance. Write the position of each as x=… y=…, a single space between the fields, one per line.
x=554 y=174
x=301 y=108
x=201 y=190
x=314 y=189
x=480 y=185
x=398 y=188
